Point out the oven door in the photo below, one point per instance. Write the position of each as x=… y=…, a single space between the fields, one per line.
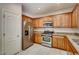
x=46 y=39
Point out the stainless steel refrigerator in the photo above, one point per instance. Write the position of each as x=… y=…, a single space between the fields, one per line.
x=27 y=35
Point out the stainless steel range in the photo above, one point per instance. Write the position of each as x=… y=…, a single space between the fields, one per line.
x=46 y=38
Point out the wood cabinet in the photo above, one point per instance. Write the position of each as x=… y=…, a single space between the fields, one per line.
x=40 y=23
x=38 y=38
x=75 y=17
x=62 y=20
x=55 y=42
x=65 y=20
x=59 y=21
x=62 y=42
x=37 y=23
x=67 y=45
x=70 y=47
x=58 y=42
x=56 y=21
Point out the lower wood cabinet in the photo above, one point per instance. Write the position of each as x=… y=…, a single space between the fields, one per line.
x=58 y=42
x=38 y=38
x=55 y=42
x=70 y=47
x=62 y=42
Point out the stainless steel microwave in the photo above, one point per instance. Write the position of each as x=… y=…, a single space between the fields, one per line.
x=48 y=24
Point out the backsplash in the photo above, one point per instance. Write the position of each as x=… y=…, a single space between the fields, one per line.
x=65 y=30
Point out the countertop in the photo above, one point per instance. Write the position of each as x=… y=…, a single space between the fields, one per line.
x=65 y=30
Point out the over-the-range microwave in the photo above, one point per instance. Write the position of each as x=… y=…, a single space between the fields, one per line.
x=48 y=24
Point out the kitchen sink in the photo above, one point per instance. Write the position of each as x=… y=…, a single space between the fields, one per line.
x=76 y=41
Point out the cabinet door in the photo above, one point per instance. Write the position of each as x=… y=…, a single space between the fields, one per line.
x=67 y=43
x=57 y=21
x=40 y=23
x=66 y=20
x=69 y=47
x=38 y=38
x=55 y=42
x=74 y=19
x=33 y=37
x=58 y=42
x=62 y=20
x=35 y=23
x=72 y=49
x=61 y=42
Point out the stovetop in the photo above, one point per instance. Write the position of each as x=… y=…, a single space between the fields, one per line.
x=47 y=33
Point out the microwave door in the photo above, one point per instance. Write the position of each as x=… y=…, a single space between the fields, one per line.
x=47 y=25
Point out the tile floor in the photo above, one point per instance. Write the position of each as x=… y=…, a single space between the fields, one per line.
x=37 y=49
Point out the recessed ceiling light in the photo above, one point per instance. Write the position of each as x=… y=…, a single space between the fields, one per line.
x=38 y=8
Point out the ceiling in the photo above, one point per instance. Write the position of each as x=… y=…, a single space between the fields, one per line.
x=36 y=10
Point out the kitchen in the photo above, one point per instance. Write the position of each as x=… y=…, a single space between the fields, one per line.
x=40 y=29
x=59 y=30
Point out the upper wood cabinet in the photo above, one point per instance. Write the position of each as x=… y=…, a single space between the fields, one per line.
x=40 y=23
x=66 y=20
x=75 y=17
x=58 y=21
x=37 y=23
x=62 y=20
